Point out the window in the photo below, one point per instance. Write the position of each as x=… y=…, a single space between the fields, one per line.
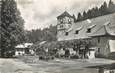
x=89 y=30
x=76 y=32
x=78 y=29
x=98 y=40
x=98 y=50
x=61 y=26
x=66 y=33
x=69 y=21
x=61 y=21
x=90 y=27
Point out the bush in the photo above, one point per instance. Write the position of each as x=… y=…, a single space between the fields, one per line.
x=111 y=56
x=41 y=57
x=74 y=57
x=100 y=56
x=46 y=57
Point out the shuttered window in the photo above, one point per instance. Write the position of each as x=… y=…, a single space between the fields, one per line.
x=66 y=33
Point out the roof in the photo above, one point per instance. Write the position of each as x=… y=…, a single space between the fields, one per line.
x=102 y=31
x=97 y=25
x=64 y=14
x=24 y=45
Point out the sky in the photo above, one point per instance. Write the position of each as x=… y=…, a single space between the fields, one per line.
x=39 y=14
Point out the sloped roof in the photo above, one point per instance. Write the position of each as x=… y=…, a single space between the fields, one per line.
x=102 y=31
x=98 y=29
x=25 y=45
x=64 y=14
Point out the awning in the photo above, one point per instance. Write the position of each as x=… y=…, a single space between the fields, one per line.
x=112 y=45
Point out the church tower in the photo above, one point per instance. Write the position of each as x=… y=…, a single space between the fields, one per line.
x=65 y=20
x=64 y=23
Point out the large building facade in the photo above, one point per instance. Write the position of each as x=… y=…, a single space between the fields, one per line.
x=99 y=30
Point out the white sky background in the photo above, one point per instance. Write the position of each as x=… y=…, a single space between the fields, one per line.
x=41 y=13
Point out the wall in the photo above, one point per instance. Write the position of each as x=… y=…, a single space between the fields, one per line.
x=98 y=21
x=105 y=44
x=19 y=52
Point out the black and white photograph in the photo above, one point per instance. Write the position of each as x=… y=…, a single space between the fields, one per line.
x=57 y=36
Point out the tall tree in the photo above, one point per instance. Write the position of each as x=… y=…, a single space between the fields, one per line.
x=103 y=9
x=85 y=15
x=79 y=18
x=74 y=18
x=89 y=14
x=12 y=27
x=111 y=7
x=47 y=34
x=95 y=12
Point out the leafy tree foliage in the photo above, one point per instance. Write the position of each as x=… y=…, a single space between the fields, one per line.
x=11 y=27
x=95 y=12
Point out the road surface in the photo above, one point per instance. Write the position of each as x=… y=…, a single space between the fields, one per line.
x=55 y=66
x=15 y=66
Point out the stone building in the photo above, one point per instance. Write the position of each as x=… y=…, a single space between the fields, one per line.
x=100 y=31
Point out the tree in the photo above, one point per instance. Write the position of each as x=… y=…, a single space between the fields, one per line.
x=85 y=15
x=47 y=34
x=95 y=12
x=74 y=18
x=79 y=18
x=111 y=7
x=103 y=9
x=12 y=27
x=89 y=14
